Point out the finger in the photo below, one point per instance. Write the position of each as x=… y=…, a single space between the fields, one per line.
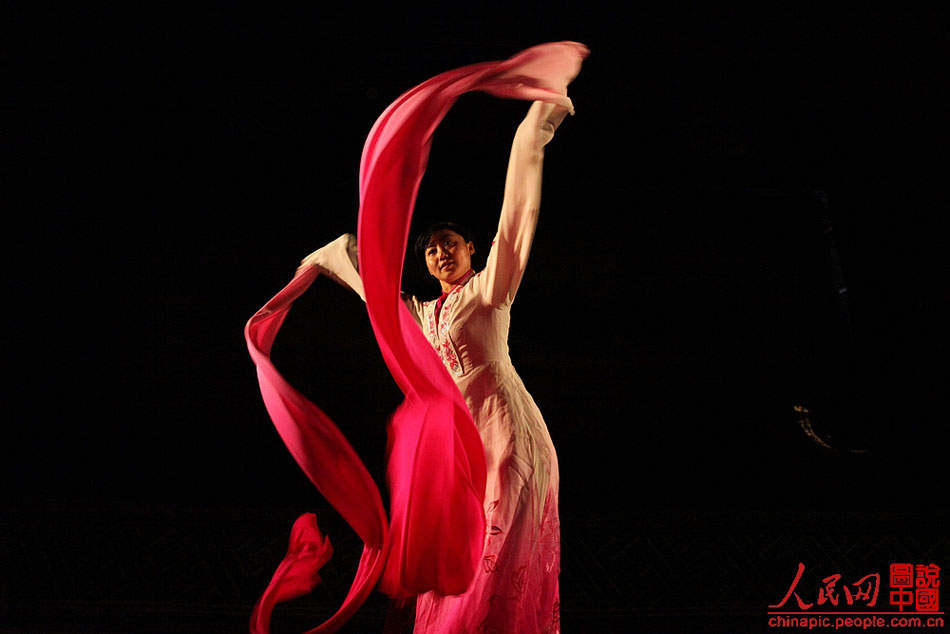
x=556 y=117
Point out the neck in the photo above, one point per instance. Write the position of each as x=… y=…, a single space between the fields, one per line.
x=448 y=286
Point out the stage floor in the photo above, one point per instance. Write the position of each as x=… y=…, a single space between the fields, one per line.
x=80 y=566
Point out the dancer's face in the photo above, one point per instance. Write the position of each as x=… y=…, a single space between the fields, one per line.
x=448 y=257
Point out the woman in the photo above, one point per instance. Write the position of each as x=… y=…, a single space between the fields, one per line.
x=516 y=589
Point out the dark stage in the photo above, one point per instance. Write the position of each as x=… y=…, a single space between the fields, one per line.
x=733 y=318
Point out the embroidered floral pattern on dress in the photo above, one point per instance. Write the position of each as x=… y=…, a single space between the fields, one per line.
x=551 y=535
x=521 y=579
x=442 y=344
x=438 y=331
x=556 y=618
x=449 y=358
x=490 y=529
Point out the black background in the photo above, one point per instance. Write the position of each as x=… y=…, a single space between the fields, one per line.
x=167 y=169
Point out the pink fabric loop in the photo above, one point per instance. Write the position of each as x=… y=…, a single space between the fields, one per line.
x=436 y=468
x=327 y=459
x=297 y=573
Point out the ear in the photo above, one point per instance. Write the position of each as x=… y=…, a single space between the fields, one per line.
x=471 y=247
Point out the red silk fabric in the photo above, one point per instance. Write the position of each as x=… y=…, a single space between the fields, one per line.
x=298 y=572
x=435 y=460
x=324 y=454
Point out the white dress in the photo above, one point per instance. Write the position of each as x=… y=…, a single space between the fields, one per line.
x=516 y=589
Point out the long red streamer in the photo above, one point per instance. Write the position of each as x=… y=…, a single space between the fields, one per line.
x=435 y=460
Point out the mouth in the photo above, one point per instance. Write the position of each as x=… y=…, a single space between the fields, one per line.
x=446 y=265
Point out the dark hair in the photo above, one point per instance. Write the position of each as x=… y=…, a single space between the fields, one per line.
x=422 y=241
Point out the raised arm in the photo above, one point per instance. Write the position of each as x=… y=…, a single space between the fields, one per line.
x=519 y=211
x=340 y=261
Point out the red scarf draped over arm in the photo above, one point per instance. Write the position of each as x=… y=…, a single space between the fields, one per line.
x=435 y=460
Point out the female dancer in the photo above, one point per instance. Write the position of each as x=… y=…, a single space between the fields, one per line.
x=516 y=589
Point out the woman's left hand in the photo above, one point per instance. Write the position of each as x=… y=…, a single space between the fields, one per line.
x=545 y=118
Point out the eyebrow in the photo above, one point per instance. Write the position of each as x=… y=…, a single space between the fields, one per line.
x=434 y=241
